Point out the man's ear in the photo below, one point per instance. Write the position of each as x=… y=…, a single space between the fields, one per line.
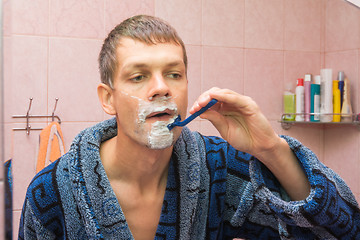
x=105 y=94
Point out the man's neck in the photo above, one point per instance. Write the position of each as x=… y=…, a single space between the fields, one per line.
x=135 y=165
x=138 y=177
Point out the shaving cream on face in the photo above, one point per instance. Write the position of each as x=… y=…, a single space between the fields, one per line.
x=159 y=105
x=159 y=136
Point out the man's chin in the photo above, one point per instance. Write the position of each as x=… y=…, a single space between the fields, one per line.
x=160 y=142
x=159 y=147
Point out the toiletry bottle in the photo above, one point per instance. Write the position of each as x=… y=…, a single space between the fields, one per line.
x=289 y=104
x=299 y=93
x=326 y=108
x=341 y=77
x=336 y=101
x=346 y=110
x=315 y=99
x=307 y=97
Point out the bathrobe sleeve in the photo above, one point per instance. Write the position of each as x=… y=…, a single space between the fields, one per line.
x=247 y=201
x=330 y=211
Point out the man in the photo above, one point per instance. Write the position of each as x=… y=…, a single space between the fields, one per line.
x=131 y=177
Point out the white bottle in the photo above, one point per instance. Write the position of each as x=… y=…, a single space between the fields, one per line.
x=299 y=92
x=326 y=95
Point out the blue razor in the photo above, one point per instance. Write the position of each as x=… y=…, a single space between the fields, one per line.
x=178 y=122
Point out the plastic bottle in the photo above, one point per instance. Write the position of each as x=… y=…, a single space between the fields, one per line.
x=307 y=96
x=315 y=99
x=299 y=93
x=336 y=101
x=346 y=110
x=341 y=77
x=289 y=104
x=326 y=108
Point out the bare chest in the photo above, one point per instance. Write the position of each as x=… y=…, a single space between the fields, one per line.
x=142 y=214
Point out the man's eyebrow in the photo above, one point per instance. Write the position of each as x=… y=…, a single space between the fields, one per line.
x=136 y=65
x=175 y=63
x=144 y=65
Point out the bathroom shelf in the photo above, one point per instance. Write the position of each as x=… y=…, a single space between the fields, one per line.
x=285 y=124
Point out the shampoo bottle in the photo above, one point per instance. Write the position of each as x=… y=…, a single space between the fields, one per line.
x=336 y=101
x=307 y=96
x=315 y=99
x=289 y=104
x=299 y=93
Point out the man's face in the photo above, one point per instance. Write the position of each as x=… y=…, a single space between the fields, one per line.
x=150 y=91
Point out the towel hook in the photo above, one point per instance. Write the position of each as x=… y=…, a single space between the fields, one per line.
x=28 y=127
x=53 y=113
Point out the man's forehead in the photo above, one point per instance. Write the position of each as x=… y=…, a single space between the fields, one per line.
x=139 y=64
x=128 y=42
x=136 y=54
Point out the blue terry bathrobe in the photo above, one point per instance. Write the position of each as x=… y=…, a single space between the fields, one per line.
x=213 y=192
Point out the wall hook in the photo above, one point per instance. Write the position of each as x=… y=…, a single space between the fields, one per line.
x=28 y=127
x=53 y=113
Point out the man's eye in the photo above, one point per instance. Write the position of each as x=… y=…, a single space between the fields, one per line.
x=137 y=78
x=174 y=75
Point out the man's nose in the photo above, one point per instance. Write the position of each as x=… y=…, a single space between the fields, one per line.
x=159 y=87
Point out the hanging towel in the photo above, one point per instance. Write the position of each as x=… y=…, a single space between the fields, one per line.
x=51 y=145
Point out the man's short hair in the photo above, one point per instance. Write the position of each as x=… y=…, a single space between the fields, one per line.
x=147 y=29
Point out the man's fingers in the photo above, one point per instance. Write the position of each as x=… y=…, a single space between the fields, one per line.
x=218 y=120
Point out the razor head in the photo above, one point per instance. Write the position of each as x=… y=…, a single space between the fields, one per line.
x=175 y=123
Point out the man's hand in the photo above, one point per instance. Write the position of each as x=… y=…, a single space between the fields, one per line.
x=239 y=121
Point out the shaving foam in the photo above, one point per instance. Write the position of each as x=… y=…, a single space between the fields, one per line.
x=159 y=136
x=158 y=105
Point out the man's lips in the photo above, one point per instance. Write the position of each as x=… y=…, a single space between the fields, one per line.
x=162 y=115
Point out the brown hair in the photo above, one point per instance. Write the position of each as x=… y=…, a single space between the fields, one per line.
x=147 y=29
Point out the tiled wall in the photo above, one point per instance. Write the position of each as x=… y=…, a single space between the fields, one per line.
x=254 y=47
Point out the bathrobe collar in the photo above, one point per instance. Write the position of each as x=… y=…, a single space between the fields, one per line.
x=100 y=211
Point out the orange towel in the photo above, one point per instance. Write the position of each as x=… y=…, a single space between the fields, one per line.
x=51 y=145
